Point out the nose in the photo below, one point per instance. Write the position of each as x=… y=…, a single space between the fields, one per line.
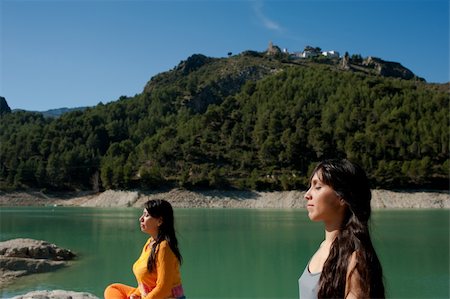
x=141 y=218
x=307 y=196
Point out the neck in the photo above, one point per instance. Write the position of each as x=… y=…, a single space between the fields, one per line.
x=332 y=230
x=330 y=236
x=333 y=226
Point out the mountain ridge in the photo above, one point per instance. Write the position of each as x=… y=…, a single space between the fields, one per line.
x=251 y=120
x=370 y=65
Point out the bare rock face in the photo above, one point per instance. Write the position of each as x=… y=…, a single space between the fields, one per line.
x=20 y=257
x=56 y=294
x=388 y=68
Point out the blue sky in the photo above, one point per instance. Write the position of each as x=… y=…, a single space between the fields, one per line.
x=67 y=53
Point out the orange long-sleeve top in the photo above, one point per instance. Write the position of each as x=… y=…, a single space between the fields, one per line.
x=162 y=282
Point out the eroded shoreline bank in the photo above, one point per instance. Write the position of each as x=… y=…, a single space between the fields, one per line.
x=181 y=198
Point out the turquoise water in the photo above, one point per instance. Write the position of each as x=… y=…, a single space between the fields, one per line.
x=228 y=253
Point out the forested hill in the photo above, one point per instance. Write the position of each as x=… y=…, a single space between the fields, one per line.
x=246 y=121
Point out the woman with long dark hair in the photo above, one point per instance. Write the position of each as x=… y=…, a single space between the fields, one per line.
x=346 y=264
x=157 y=270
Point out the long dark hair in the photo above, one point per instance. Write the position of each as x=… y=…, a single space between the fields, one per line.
x=159 y=208
x=350 y=182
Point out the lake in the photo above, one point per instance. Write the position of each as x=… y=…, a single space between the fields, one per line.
x=228 y=253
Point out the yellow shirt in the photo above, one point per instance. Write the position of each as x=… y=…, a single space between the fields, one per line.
x=162 y=282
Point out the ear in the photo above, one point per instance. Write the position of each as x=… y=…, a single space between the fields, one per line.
x=160 y=221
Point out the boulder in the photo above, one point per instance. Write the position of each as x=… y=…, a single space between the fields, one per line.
x=56 y=294
x=34 y=249
x=20 y=257
x=28 y=265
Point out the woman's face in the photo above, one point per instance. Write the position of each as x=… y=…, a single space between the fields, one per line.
x=323 y=203
x=149 y=224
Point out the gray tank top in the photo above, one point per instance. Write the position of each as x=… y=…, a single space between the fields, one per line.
x=308 y=284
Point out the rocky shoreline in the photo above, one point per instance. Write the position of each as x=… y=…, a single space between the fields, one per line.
x=22 y=256
x=19 y=257
x=181 y=198
x=56 y=294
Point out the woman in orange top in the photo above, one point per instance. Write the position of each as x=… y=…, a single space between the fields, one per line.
x=157 y=270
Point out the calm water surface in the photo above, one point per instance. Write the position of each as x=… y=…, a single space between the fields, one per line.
x=228 y=253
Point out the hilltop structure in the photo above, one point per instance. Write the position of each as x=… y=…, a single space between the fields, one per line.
x=370 y=65
x=307 y=52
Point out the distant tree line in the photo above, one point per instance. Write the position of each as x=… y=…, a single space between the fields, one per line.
x=266 y=136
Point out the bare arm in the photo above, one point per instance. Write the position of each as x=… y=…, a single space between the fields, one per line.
x=353 y=282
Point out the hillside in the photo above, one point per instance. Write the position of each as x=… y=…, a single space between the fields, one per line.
x=249 y=121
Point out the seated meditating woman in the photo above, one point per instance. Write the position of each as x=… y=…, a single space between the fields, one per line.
x=157 y=270
x=346 y=264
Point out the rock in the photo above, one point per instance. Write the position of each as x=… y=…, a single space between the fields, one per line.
x=34 y=249
x=111 y=198
x=388 y=68
x=19 y=257
x=28 y=265
x=56 y=294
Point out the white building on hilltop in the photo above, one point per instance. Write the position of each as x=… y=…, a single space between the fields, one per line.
x=331 y=54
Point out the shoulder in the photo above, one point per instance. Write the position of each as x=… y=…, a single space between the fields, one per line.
x=164 y=247
x=164 y=250
x=163 y=244
x=353 y=259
